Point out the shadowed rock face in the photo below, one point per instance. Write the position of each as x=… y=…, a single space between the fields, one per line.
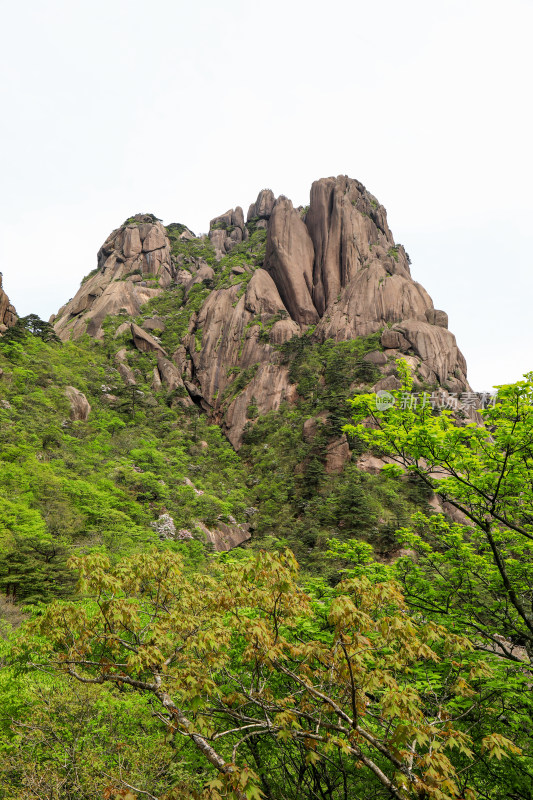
x=8 y=315
x=334 y=265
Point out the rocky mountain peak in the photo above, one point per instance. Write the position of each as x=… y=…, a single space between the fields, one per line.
x=8 y=315
x=333 y=265
x=133 y=265
x=330 y=271
x=261 y=210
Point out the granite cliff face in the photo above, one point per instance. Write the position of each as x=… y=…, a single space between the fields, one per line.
x=8 y=315
x=330 y=271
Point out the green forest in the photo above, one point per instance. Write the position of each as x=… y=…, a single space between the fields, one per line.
x=359 y=645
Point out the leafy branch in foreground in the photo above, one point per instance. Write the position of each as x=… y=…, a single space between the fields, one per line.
x=480 y=573
x=343 y=696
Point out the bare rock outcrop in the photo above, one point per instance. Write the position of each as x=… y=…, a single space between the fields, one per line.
x=233 y=355
x=341 y=268
x=224 y=537
x=170 y=375
x=8 y=315
x=227 y=230
x=124 y=370
x=337 y=454
x=79 y=405
x=437 y=348
x=333 y=265
x=289 y=260
x=263 y=206
x=144 y=342
x=131 y=258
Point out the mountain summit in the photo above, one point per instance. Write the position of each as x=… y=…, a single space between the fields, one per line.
x=328 y=272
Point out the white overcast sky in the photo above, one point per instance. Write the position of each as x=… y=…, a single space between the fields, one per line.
x=186 y=109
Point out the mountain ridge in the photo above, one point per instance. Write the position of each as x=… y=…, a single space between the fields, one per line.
x=331 y=271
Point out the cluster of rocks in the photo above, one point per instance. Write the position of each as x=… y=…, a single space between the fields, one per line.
x=8 y=315
x=130 y=261
x=229 y=229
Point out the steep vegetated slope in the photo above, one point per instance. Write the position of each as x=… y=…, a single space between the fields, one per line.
x=89 y=462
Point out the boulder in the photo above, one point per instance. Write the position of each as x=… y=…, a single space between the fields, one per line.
x=121 y=355
x=388 y=384
x=156 y=380
x=262 y=296
x=283 y=330
x=227 y=230
x=370 y=463
x=337 y=454
x=224 y=537
x=437 y=349
x=122 y=328
x=155 y=239
x=179 y=357
x=395 y=340
x=170 y=375
x=127 y=374
x=218 y=238
x=377 y=357
x=79 y=405
x=132 y=244
x=144 y=342
x=204 y=274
